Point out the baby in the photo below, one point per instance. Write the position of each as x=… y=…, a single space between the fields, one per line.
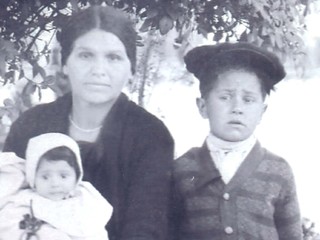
x=51 y=201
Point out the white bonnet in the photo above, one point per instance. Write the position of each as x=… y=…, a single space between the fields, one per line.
x=40 y=144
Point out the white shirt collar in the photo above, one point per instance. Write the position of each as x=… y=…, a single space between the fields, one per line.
x=228 y=156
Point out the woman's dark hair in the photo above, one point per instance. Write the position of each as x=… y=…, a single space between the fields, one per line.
x=62 y=154
x=98 y=17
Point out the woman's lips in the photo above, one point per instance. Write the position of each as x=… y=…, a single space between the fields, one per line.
x=97 y=84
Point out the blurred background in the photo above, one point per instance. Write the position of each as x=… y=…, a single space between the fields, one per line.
x=30 y=69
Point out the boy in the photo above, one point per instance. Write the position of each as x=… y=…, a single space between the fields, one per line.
x=231 y=187
x=56 y=204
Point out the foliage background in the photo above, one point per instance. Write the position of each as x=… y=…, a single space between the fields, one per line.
x=30 y=65
x=28 y=29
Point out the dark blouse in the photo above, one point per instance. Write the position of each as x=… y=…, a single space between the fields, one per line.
x=130 y=163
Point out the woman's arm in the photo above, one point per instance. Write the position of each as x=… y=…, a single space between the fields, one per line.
x=148 y=193
x=12 y=176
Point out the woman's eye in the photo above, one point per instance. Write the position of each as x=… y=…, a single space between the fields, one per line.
x=85 y=55
x=114 y=57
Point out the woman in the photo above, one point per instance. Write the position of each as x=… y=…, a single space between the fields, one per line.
x=126 y=151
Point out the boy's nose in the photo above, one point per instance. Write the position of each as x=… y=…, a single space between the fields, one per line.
x=237 y=107
x=237 y=111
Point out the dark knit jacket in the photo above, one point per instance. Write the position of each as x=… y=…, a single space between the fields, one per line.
x=131 y=164
x=259 y=203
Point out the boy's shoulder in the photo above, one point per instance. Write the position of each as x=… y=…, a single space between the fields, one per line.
x=189 y=160
x=194 y=169
x=196 y=162
x=273 y=163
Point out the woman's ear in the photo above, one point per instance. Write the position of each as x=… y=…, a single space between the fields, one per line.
x=202 y=107
x=64 y=70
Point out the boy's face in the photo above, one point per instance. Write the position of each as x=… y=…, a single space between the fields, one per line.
x=234 y=106
x=55 y=180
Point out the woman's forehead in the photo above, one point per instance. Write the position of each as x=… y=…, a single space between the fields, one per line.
x=100 y=40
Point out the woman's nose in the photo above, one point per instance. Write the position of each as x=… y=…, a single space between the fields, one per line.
x=99 y=67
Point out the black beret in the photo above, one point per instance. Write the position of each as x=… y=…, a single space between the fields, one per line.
x=203 y=60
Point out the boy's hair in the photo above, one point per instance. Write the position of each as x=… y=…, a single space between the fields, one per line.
x=61 y=154
x=212 y=76
x=209 y=61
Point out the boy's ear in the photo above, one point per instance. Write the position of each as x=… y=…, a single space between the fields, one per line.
x=202 y=107
x=265 y=108
x=263 y=111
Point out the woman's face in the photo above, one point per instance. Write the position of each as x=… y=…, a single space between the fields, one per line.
x=98 y=67
x=234 y=106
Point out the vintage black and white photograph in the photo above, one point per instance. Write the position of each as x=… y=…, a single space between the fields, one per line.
x=159 y=120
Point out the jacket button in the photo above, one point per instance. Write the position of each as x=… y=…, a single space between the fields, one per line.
x=226 y=196
x=228 y=230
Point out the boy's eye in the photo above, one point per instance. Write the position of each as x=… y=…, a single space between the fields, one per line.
x=45 y=177
x=224 y=97
x=249 y=99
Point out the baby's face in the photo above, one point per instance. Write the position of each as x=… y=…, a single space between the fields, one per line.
x=55 y=180
x=234 y=106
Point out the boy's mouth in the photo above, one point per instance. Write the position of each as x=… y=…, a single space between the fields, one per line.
x=236 y=122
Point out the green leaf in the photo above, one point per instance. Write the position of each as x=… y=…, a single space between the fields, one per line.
x=9 y=76
x=8 y=102
x=21 y=74
x=203 y=31
x=139 y=44
x=165 y=25
x=218 y=36
x=151 y=13
x=37 y=69
x=3 y=112
x=173 y=12
x=30 y=88
x=49 y=80
x=278 y=41
x=2 y=65
x=74 y=5
x=61 y=4
x=243 y=37
x=146 y=25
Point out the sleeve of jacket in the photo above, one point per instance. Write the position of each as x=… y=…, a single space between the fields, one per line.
x=287 y=213
x=148 y=194
x=16 y=140
x=12 y=176
x=176 y=209
x=48 y=117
